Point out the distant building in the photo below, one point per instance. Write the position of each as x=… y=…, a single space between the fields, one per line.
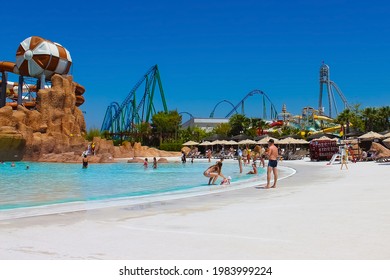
x=207 y=124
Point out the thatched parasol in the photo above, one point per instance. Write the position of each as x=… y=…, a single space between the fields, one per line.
x=265 y=140
x=325 y=138
x=206 y=143
x=247 y=142
x=288 y=140
x=371 y=136
x=190 y=143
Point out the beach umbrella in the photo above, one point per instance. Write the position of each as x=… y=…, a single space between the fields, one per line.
x=232 y=142
x=349 y=141
x=387 y=135
x=288 y=140
x=218 y=142
x=215 y=137
x=240 y=137
x=371 y=136
x=265 y=140
x=302 y=141
x=325 y=138
x=206 y=143
x=224 y=142
x=319 y=135
x=247 y=142
x=190 y=143
x=387 y=142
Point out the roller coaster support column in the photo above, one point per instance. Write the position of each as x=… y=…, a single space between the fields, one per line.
x=20 y=90
x=42 y=82
x=3 y=89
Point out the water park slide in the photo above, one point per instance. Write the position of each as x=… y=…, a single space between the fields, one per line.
x=331 y=129
x=335 y=128
x=12 y=87
x=323 y=118
x=40 y=58
x=6 y=66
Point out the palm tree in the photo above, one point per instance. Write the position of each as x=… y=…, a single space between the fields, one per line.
x=369 y=115
x=384 y=115
x=344 y=118
x=239 y=124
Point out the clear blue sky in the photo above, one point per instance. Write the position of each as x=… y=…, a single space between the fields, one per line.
x=208 y=51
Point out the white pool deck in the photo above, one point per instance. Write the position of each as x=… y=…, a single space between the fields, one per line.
x=321 y=212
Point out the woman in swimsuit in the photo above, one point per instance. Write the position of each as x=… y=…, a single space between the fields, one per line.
x=213 y=172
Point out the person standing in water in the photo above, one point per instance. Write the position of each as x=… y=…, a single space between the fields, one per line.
x=273 y=155
x=154 y=163
x=85 y=161
x=239 y=158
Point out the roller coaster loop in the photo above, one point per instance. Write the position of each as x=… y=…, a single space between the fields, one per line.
x=215 y=107
x=273 y=112
x=123 y=119
x=187 y=113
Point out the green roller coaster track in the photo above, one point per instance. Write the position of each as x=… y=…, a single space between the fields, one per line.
x=124 y=119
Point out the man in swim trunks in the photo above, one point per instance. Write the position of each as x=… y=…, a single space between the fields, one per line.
x=85 y=161
x=272 y=163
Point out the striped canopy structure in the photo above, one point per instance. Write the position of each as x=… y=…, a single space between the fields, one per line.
x=36 y=56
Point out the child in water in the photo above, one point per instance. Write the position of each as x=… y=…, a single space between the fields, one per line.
x=226 y=181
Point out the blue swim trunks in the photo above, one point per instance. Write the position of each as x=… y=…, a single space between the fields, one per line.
x=272 y=163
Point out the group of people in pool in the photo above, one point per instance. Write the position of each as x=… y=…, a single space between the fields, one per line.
x=146 y=163
x=215 y=171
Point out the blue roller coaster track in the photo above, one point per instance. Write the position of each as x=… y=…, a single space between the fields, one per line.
x=265 y=101
x=124 y=118
x=215 y=107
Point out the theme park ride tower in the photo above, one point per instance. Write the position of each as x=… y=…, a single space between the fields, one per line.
x=329 y=85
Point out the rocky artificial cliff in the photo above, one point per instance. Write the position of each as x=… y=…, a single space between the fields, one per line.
x=55 y=131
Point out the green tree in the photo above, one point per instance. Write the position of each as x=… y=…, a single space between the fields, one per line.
x=192 y=133
x=222 y=129
x=93 y=132
x=369 y=115
x=384 y=118
x=288 y=130
x=356 y=120
x=344 y=119
x=144 y=133
x=256 y=127
x=239 y=124
x=166 y=125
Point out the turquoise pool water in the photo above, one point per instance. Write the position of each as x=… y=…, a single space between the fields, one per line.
x=53 y=183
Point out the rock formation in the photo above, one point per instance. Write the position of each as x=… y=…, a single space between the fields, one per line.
x=56 y=126
x=55 y=131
